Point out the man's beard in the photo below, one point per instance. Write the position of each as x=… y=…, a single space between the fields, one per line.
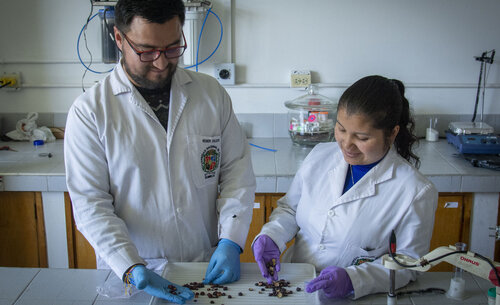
x=143 y=82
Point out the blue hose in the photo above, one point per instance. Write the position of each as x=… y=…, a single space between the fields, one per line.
x=78 y=48
x=209 y=11
x=199 y=40
x=264 y=148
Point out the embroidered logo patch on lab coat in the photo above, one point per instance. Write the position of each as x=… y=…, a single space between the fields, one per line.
x=210 y=159
x=362 y=259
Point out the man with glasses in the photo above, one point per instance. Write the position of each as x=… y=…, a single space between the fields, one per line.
x=157 y=166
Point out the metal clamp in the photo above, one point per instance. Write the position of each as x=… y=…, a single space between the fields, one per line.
x=197 y=3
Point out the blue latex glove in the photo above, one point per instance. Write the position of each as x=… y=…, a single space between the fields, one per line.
x=264 y=251
x=334 y=281
x=224 y=266
x=155 y=285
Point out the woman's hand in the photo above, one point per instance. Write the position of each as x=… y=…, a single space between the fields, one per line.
x=334 y=281
x=265 y=251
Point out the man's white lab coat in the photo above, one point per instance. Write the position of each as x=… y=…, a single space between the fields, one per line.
x=352 y=230
x=140 y=192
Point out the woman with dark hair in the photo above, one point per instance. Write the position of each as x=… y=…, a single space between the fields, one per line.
x=347 y=198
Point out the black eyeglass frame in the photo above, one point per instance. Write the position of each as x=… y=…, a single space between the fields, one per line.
x=157 y=52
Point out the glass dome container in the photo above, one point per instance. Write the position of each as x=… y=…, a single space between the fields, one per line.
x=311 y=118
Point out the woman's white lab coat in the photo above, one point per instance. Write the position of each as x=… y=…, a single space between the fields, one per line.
x=352 y=230
x=140 y=193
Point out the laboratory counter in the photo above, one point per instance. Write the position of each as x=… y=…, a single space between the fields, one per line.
x=27 y=169
x=23 y=286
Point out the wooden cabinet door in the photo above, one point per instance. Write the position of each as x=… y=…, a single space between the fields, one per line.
x=257 y=223
x=272 y=203
x=451 y=224
x=22 y=230
x=81 y=255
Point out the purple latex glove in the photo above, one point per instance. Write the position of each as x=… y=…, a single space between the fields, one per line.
x=334 y=281
x=264 y=251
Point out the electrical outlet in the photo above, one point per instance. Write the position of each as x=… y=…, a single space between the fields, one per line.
x=225 y=73
x=11 y=80
x=300 y=78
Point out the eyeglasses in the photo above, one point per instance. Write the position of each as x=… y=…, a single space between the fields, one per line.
x=149 y=56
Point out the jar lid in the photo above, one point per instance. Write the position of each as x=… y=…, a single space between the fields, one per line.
x=38 y=142
x=492 y=292
x=312 y=101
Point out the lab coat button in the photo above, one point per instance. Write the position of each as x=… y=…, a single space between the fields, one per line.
x=179 y=210
x=331 y=213
x=322 y=247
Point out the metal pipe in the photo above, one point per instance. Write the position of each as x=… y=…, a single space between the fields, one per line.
x=392 y=287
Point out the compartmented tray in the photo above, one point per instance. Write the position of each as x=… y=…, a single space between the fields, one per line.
x=296 y=274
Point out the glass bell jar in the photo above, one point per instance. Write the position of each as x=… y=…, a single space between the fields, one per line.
x=311 y=118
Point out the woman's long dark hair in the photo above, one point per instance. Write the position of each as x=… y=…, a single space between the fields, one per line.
x=383 y=101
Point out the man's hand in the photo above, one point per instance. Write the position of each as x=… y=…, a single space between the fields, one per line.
x=155 y=285
x=224 y=266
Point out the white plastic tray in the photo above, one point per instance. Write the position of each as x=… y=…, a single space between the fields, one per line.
x=296 y=274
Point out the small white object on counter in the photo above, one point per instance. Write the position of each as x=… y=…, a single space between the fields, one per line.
x=431 y=135
x=457 y=289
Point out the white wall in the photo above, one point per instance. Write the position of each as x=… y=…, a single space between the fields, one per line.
x=428 y=44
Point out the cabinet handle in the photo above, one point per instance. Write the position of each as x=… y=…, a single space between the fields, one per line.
x=451 y=205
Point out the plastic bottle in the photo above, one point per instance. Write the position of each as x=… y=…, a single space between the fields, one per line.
x=37 y=144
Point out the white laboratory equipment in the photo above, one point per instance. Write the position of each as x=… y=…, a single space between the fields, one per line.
x=465 y=260
x=195 y=13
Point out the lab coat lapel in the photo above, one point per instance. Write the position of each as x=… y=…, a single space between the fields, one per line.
x=366 y=186
x=337 y=178
x=119 y=80
x=178 y=99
